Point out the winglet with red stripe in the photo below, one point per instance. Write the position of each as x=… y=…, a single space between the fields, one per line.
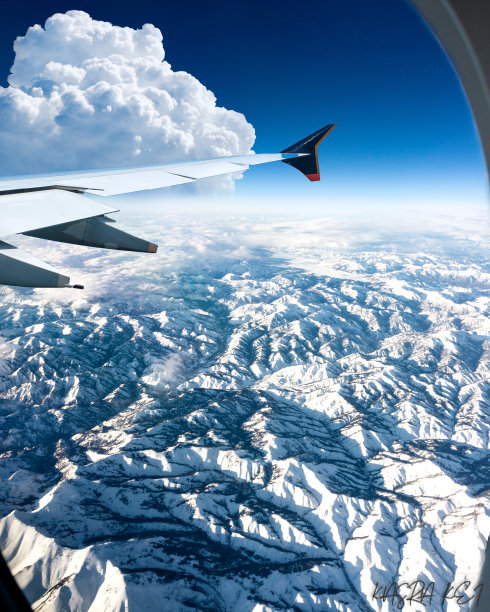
x=307 y=160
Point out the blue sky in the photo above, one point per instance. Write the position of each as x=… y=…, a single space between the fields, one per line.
x=404 y=130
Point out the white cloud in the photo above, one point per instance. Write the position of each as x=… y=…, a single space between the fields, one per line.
x=85 y=93
x=164 y=372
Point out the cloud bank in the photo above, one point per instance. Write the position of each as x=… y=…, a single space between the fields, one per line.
x=85 y=94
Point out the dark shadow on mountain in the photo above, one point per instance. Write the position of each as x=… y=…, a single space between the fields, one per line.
x=463 y=463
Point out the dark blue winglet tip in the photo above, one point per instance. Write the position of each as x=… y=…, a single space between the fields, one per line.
x=307 y=163
x=309 y=144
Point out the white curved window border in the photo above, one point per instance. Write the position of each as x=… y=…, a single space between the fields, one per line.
x=461 y=27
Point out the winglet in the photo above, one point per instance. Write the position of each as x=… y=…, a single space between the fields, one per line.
x=307 y=160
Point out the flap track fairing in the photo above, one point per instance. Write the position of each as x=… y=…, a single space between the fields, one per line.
x=94 y=232
x=24 y=270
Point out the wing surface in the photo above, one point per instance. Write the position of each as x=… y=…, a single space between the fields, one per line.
x=139 y=178
x=54 y=207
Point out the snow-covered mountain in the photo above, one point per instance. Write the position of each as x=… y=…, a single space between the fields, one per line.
x=270 y=415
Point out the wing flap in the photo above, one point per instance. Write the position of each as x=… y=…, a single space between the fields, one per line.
x=115 y=184
x=23 y=212
x=199 y=171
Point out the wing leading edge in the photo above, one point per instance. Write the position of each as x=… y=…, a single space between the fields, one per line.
x=53 y=206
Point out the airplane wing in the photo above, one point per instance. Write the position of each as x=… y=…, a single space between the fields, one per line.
x=54 y=207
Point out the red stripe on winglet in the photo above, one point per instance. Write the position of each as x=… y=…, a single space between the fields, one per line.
x=313 y=177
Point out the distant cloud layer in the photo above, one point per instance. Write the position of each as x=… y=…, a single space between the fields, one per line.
x=85 y=93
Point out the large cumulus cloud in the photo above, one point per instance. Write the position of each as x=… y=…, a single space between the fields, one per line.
x=85 y=93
